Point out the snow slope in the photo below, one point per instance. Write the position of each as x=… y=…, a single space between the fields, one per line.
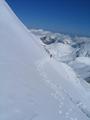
x=33 y=86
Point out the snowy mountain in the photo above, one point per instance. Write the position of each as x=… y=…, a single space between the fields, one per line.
x=67 y=49
x=33 y=85
x=49 y=37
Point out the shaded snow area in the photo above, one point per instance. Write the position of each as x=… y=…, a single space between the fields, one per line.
x=35 y=83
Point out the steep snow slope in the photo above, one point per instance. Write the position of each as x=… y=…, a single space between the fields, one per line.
x=33 y=86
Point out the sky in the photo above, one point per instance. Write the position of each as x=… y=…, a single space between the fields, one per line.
x=65 y=16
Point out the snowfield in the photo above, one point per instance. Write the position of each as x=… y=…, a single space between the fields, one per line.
x=33 y=85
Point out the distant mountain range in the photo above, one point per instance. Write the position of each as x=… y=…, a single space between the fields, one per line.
x=68 y=49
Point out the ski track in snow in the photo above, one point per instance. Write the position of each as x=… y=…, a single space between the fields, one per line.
x=57 y=92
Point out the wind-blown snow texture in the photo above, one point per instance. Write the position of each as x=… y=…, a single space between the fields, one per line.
x=34 y=86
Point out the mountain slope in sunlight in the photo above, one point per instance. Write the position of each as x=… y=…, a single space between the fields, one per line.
x=34 y=86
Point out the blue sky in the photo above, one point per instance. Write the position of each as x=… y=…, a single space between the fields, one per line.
x=66 y=16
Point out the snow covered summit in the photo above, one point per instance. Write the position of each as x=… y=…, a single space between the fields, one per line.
x=32 y=85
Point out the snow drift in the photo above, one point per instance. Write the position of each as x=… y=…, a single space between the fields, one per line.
x=33 y=86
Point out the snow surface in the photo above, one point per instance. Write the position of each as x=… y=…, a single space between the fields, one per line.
x=62 y=52
x=34 y=86
x=84 y=60
x=82 y=67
